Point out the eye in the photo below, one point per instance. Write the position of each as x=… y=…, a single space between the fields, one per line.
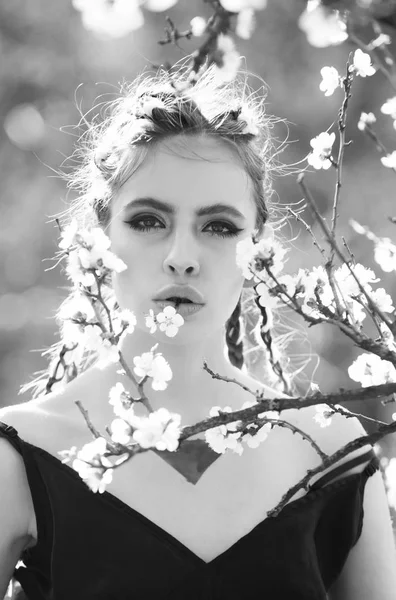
x=231 y=229
x=135 y=224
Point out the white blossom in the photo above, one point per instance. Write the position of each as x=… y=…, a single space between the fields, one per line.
x=151 y=321
x=316 y=279
x=120 y=431
x=198 y=26
x=357 y=311
x=272 y=252
x=238 y=5
x=77 y=305
x=382 y=40
x=228 y=63
x=362 y=64
x=311 y=279
x=170 y=321
x=127 y=319
x=159 y=5
x=265 y=298
x=245 y=252
x=323 y=415
x=314 y=387
x=290 y=283
x=330 y=80
x=93 y=337
x=247 y=116
x=219 y=438
x=68 y=455
x=389 y=160
x=98 y=474
x=315 y=283
x=90 y=253
x=110 y=19
x=93 y=340
x=389 y=107
x=220 y=442
x=161 y=429
x=154 y=366
x=113 y=262
x=94 y=239
x=245 y=23
x=387 y=337
x=322 y=145
x=382 y=300
x=89 y=259
x=76 y=272
x=119 y=399
x=68 y=235
x=72 y=333
x=108 y=353
x=385 y=254
x=370 y=369
x=322 y=26
x=366 y=119
x=253 y=440
x=348 y=283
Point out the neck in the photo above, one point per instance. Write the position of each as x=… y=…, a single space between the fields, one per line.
x=192 y=391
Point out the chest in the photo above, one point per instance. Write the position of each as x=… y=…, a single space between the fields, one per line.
x=228 y=501
x=232 y=496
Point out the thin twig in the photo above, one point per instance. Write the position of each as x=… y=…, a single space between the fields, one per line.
x=369 y=439
x=95 y=432
x=308 y=228
x=369 y=131
x=308 y=197
x=348 y=250
x=347 y=82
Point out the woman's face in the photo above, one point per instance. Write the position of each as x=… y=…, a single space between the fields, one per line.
x=156 y=231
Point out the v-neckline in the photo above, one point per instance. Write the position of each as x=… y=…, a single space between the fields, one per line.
x=161 y=533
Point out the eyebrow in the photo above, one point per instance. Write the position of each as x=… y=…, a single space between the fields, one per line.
x=212 y=209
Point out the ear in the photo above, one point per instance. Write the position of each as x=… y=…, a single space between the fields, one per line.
x=267 y=234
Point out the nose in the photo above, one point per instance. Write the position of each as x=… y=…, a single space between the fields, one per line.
x=182 y=257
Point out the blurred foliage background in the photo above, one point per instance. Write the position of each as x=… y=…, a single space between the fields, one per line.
x=52 y=69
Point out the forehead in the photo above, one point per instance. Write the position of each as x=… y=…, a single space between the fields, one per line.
x=190 y=171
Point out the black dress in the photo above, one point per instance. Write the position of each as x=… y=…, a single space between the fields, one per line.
x=95 y=547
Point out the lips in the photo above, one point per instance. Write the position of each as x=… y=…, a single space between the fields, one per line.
x=179 y=300
x=179 y=294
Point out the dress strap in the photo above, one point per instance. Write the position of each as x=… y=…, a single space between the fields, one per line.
x=9 y=432
x=368 y=471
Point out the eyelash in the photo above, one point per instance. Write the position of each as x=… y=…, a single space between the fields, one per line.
x=233 y=231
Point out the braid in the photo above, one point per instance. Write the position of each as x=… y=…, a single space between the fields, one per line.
x=234 y=337
x=266 y=336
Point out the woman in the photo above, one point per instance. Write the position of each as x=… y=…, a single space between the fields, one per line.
x=176 y=177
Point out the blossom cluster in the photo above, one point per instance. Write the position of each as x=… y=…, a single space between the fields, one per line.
x=312 y=288
x=312 y=293
x=90 y=264
x=117 y=18
x=160 y=430
x=252 y=257
x=226 y=437
x=331 y=79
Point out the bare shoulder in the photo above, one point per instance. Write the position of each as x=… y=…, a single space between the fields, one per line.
x=339 y=431
x=342 y=429
x=43 y=422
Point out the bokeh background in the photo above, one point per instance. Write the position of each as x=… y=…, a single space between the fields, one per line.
x=52 y=69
